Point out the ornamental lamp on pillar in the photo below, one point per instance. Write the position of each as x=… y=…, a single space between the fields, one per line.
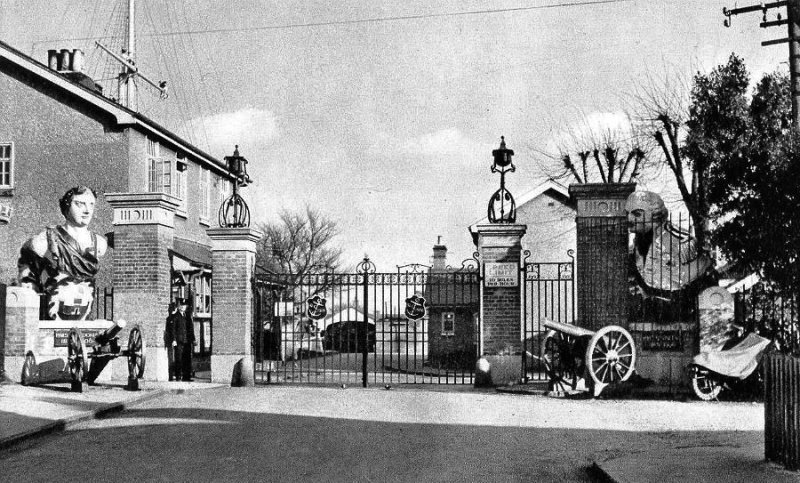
x=234 y=212
x=502 y=208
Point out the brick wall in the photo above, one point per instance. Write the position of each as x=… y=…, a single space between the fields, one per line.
x=602 y=254
x=501 y=327
x=142 y=278
x=602 y=272
x=232 y=293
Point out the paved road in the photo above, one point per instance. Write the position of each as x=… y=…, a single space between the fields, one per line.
x=287 y=433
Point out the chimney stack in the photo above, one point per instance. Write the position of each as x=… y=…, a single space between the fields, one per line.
x=70 y=63
x=439 y=255
x=65 y=60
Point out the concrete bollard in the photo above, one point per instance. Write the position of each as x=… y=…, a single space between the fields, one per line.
x=483 y=373
x=243 y=375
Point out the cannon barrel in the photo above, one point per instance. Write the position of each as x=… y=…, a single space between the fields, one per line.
x=570 y=329
x=105 y=337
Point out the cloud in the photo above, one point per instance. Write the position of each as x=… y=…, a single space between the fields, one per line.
x=444 y=144
x=248 y=127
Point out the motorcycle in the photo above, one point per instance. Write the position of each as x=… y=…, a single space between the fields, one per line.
x=733 y=366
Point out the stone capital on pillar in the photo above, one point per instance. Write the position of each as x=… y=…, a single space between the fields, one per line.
x=233 y=254
x=601 y=199
x=144 y=234
x=143 y=208
x=234 y=239
x=497 y=235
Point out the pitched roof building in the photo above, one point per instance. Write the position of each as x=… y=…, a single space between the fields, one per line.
x=58 y=130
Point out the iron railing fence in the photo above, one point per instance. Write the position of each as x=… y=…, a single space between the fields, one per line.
x=782 y=410
x=548 y=293
x=667 y=271
x=416 y=325
x=770 y=313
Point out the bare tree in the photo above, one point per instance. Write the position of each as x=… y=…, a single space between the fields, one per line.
x=299 y=243
x=695 y=127
x=593 y=153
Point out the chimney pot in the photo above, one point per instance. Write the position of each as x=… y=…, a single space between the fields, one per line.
x=77 y=60
x=52 y=59
x=439 y=255
x=66 y=58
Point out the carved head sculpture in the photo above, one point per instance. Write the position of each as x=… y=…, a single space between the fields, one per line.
x=645 y=210
x=77 y=205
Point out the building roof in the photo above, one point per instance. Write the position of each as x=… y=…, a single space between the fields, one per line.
x=549 y=186
x=195 y=253
x=122 y=116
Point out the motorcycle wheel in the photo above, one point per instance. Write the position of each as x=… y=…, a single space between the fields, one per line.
x=706 y=388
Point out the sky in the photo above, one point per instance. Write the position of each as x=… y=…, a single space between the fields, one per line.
x=383 y=115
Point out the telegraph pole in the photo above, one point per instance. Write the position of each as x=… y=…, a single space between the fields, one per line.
x=792 y=21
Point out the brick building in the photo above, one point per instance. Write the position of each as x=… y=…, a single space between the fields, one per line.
x=453 y=300
x=57 y=131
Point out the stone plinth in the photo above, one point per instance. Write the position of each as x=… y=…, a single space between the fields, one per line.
x=602 y=253
x=143 y=235
x=501 y=332
x=21 y=329
x=233 y=253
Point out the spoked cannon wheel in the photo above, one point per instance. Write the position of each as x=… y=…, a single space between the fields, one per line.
x=77 y=360
x=136 y=350
x=706 y=388
x=610 y=356
x=558 y=361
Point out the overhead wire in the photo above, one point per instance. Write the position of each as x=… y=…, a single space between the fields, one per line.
x=375 y=19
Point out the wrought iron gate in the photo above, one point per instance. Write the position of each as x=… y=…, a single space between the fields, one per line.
x=548 y=292
x=416 y=325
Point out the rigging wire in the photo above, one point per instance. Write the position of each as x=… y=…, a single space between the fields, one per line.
x=176 y=94
x=367 y=20
x=198 y=93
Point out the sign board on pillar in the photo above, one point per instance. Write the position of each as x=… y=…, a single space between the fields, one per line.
x=501 y=274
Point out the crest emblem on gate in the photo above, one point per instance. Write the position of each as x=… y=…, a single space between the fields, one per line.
x=415 y=307
x=316 y=307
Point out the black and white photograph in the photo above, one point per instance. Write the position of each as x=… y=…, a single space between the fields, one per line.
x=369 y=241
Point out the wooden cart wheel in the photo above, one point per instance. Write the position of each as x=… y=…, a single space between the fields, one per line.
x=136 y=357
x=77 y=359
x=610 y=356
x=558 y=361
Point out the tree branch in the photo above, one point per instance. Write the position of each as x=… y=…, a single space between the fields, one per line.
x=596 y=154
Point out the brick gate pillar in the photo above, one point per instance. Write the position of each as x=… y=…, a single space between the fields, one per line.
x=143 y=234
x=501 y=332
x=602 y=253
x=233 y=254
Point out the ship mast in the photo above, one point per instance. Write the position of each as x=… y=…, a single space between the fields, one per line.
x=126 y=79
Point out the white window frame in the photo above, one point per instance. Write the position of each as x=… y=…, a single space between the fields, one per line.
x=163 y=175
x=452 y=319
x=179 y=189
x=205 y=195
x=9 y=161
x=202 y=295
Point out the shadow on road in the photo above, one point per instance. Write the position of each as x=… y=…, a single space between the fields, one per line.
x=176 y=444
